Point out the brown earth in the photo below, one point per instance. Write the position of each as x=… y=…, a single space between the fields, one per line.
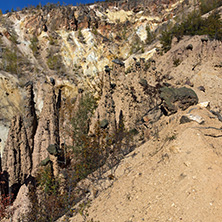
x=173 y=177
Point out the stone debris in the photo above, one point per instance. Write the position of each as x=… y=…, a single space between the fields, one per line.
x=191 y=117
x=204 y=105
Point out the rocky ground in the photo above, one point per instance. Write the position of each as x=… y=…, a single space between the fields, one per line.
x=169 y=102
x=175 y=176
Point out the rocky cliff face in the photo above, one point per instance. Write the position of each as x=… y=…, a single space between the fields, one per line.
x=27 y=144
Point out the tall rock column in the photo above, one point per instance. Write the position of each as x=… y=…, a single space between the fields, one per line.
x=105 y=111
x=47 y=131
x=16 y=161
x=30 y=118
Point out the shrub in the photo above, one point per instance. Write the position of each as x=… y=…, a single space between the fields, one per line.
x=208 y=5
x=52 y=41
x=176 y=62
x=166 y=40
x=136 y=46
x=150 y=35
x=80 y=121
x=54 y=62
x=46 y=181
x=10 y=61
x=94 y=31
x=34 y=45
x=5 y=201
x=80 y=36
x=48 y=203
x=14 y=38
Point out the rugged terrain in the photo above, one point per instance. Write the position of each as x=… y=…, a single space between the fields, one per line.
x=103 y=117
x=175 y=175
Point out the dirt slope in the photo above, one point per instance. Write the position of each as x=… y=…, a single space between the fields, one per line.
x=176 y=177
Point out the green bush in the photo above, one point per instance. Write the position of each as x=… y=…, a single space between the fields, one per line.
x=14 y=38
x=208 y=5
x=46 y=181
x=150 y=35
x=85 y=148
x=136 y=46
x=166 y=40
x=52 y=41
x=176 y=62
x=10 y=61
x=54 y=62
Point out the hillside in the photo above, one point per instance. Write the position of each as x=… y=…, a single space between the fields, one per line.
x=175 y=175
x=174 y=178
x=111 y=112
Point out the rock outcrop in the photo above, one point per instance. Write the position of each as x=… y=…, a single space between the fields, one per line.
x=17 y=155
x=30 y=118
x=47 y=132
x=126 y=96
x=185 y=97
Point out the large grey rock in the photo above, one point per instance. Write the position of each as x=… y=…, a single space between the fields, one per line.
x=104 y=123
x=174 y=98
x=53 y=149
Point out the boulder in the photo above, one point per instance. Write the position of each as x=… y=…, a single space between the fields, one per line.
x=174 y=98
x=153 y=115
x=184 y=119
x=143 y=83
x=53 y=149
x=104 y=123
x=118 y=62
x=191 y=117
x=45 y=162
x=189 y=47
x=201 y=88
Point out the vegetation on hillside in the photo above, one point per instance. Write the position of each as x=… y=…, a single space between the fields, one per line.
x=208 y=5
x=34 y=45
x=194 y=24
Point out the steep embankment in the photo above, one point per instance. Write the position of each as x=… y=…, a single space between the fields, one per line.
x=175 y=176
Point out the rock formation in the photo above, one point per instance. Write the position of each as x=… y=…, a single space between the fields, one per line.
x=47 y=132
x=67 y=48
x=30 y=118
x=17 y=155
